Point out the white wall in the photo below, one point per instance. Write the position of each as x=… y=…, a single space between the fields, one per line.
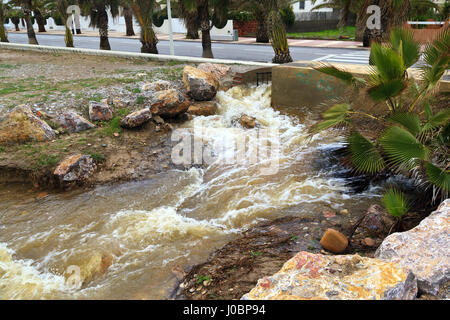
x=309 y=6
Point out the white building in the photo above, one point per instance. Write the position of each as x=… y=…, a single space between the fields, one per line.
x=307 y=5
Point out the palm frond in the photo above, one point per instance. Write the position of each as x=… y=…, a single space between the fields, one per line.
x=395 y=203
x=402 y=41
x=410 y=121
x=386 y=89
x=440 y=178
x=334 y=116
x=388 y=63
x=402 y=148
x=364 y=155
x=345 y=76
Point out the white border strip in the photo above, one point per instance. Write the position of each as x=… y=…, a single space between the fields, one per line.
x=122 y=54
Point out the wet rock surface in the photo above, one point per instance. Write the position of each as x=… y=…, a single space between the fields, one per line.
x=309 y=276
x=204 y=108
x=247 y=121
x=423 y=249
x=20 y=125
x=159 y=85
x=73 y=122
x=200 y=85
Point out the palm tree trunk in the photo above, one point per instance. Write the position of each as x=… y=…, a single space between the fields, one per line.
x=148 y=40
x=278 y=39
x=3 y=36
x=205 y=26
x=69 y=38
x=40 y=20
x=27 y=16
x=344 y=15
x=103 y=28
x=16 y=25
x=128 y=15
x=262 y=32
x=192 y=32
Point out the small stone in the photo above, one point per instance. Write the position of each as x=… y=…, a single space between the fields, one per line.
x=99 y=111
x=344 y=212
x=368 y=242
x=136 y=119
x=158 y=119
x=116 y=134
x=42 y=195
x=157 y=86
x=329 y=214
x=104 y=145
x=191 y=290
x=206 y=283
x=203 y=108
x=73 y=122
x=334 y=241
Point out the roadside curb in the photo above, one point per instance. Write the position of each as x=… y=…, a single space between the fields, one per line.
x=121 y=54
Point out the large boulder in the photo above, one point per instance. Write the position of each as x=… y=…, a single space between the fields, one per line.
x=156 y=86
x=99 y=111
x=169 y=103
x=200 y=85
x=20 y=125
x=136 y=119
x=347 y=277
x=424 y=249
x=75 y=168
x=73 y=122
x=218 y=71
x=203 y=108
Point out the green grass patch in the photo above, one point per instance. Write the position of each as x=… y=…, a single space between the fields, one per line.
x=98 y=157
x=256 y=253
x=111 y=127
x=123 y=112
x=347 y=33
x=140 y=100
x=48 y=160
x=200 y=279
x=2 y=149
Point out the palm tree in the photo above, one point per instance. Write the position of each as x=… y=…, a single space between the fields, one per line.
x=15 y=14
x=277 y=32
x=61 y=6
x=206 y=11
x=38 y=6
x=190 y=19
x=27 y=7
x=345 y=6
x=3 y=36
x=412 y=141
x=128 y=16
x=143 y=10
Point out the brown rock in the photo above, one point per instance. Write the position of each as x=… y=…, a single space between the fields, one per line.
x=75 y=168
x=73 y=122
x=217 y=70
x=99 y=111
x=200 y=85
x=159 y=85
x=136 y=119
x=376 y=221
x=329 y=214
x=205 y=108
x=20 y=125
x=169 y=103
x=334 y=241
x=368 y=242
x=247 y=122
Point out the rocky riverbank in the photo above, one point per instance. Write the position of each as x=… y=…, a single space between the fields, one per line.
x=118 y=120
x=406 y=265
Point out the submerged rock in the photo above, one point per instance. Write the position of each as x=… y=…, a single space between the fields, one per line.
x=169 y=103
x=204 y=108
x=136 y=119
x=334 y=241
x=75 y=168
x=347 y=277
x=20 y=125
x=159 y=85
x=247 y=121
x=73 y=122
x=200 y=85
x=424 y=249
x=99 y=111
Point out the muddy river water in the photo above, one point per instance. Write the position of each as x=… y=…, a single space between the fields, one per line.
x=122 y=241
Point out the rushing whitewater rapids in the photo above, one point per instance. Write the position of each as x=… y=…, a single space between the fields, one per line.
x=124 y=240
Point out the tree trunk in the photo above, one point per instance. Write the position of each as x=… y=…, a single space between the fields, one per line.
x=68 y=38
x=192 y=32
x=149 y=47
x=3 y=36
x=205 y=26
x=390 y=17
x=16 y=25
x=344 y=15
x=27 y=16
x=40 y=20
x=262 y=32
x=128 y=15
x=103 y=28
x=278 y=38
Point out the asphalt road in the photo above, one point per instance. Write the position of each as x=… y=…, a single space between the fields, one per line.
x=259 y=53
